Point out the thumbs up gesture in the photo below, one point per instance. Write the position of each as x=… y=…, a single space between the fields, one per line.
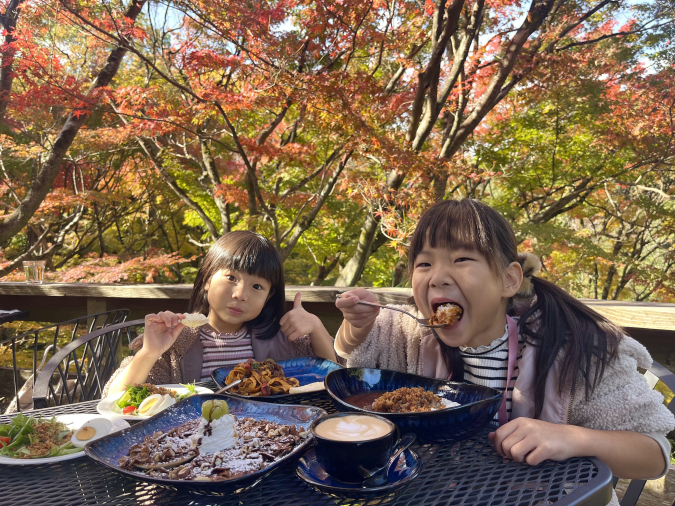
x=298 y=322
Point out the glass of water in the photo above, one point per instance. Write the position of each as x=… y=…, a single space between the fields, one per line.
x=35 y=271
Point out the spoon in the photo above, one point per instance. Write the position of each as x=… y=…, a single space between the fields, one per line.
x=227 y=387
x=381 y=476
x=423 y=322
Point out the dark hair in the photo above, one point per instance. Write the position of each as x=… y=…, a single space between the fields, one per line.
x=251 y=253
x=556 y=321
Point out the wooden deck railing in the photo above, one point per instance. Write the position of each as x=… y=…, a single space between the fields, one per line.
x=652 y=323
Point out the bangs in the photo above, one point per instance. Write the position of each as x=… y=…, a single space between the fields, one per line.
x=466 y=224
x=252 y=254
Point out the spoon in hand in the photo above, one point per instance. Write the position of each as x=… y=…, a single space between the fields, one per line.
x=381 y=476
x=423 y=322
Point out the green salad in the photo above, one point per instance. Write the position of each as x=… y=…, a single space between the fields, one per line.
x=35 y=438
x=132 y=398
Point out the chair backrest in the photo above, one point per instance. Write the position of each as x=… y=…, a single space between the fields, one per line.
x=81 y=369
x=57 y=335
x=654 y=374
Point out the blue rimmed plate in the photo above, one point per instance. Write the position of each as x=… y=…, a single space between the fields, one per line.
x=407 y=468
x=108 y=450
x=305 y=369
x=478 y=404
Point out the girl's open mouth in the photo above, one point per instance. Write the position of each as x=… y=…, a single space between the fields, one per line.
x=446 y=313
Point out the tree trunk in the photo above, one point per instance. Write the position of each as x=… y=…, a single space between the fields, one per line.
x=400 y=270
x=325 y=269
x=42 y=184
x=354 y=268
x=212 y=171
x=608 y=282
x=7 y=69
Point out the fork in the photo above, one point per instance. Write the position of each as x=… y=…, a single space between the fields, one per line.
x=423 y=322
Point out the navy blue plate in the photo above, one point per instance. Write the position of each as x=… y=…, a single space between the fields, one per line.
x=400 y=475
x=107 y=450
x=478 y=404
x=305 y=369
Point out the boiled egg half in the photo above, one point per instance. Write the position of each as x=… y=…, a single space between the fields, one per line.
x=154 y=404
x=91 y=431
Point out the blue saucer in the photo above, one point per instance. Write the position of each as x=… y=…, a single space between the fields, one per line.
x=401 y=475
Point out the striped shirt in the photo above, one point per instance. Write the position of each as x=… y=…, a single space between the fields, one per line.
x=488 y=366
x=224 y=349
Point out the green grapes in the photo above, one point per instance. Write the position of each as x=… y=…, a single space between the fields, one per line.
x=214 y=409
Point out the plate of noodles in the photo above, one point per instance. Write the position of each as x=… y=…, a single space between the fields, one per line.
x=270 y=380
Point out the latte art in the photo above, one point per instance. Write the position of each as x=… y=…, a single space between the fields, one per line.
x=352 y=428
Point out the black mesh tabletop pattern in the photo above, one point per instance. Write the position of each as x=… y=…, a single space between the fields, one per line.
x=469 y=472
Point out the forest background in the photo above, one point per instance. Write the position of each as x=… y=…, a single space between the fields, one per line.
x=135 y=133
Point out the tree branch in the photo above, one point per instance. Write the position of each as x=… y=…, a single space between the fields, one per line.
x=12 y=223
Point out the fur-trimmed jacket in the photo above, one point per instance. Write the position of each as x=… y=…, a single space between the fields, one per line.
x=623 y=399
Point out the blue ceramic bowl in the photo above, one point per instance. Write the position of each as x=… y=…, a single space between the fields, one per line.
x=305 y=369
x=107 y=450
x=478 y=404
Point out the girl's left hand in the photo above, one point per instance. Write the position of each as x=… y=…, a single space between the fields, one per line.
x=298 y=322
x=533 y=441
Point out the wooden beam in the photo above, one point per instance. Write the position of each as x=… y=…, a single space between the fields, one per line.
x=155 y=297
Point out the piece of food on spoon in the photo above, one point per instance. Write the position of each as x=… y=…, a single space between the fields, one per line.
x=194 y=320
x=448 y=313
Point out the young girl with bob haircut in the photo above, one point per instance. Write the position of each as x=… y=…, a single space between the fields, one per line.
x=570 y=376
x=240 y=287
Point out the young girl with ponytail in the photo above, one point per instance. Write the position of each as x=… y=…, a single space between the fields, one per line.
x=570 y=376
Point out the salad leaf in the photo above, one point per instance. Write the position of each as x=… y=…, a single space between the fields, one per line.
x=21 y=432
x=192 y=390
x=133 y=396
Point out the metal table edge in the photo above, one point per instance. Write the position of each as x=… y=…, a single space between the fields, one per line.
x=597 y=492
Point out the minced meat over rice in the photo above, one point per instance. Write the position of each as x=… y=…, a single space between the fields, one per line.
x=407 y=400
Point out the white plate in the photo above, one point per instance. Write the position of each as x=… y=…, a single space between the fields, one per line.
x=105 y=407
x=73 y=421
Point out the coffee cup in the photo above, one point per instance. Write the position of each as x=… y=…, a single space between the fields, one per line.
x=352 y=446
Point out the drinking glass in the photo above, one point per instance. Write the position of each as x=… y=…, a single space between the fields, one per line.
x=35 y=271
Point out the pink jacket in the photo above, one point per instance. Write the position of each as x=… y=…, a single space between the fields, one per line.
x=556 y=404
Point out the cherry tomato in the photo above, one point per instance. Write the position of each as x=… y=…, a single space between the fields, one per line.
x=4 y=441
x=129 y=410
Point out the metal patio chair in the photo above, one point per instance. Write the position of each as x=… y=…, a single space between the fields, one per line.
x=49 y=337
x=89 y=360
x=654 y=374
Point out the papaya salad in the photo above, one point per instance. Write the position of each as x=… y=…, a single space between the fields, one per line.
x=34 y=438
x=147 y=399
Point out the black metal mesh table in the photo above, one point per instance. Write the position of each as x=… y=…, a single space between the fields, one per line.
x=465 y=473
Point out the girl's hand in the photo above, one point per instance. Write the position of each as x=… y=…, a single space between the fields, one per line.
x=533 y=441
x=358 y=315
x=161 y=331
x=298 y=322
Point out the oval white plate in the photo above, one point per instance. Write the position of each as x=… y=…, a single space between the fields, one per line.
x=73 y=421
x=105 y=406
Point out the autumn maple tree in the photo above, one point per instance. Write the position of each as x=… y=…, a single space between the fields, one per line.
x=146 y=130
